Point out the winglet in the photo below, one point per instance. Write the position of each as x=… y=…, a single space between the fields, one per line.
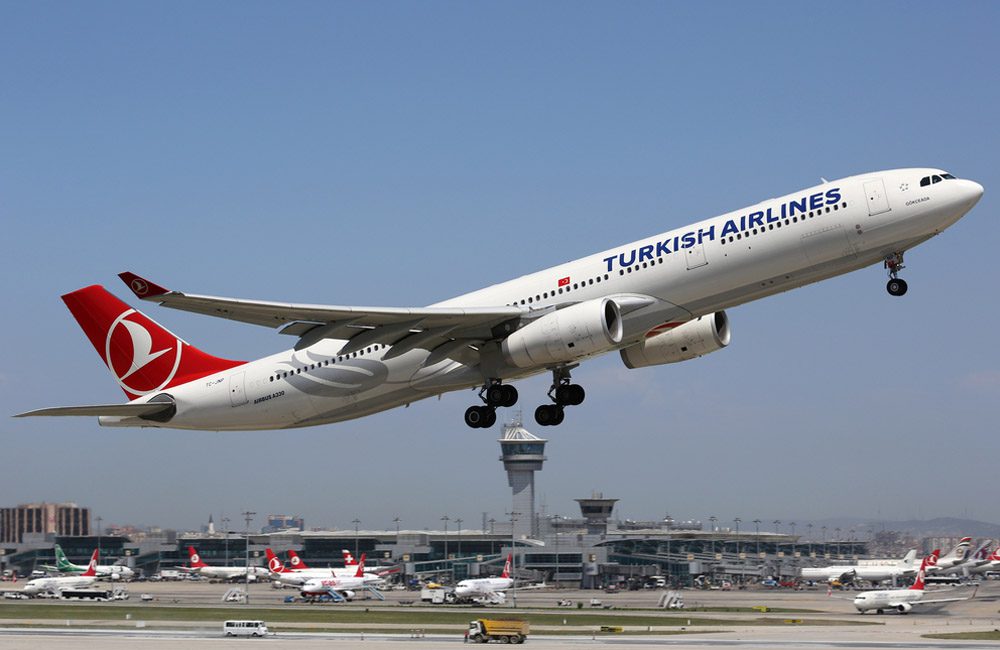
x=142 y=287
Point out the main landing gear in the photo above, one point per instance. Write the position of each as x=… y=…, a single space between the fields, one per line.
x=493 y=395
x=564 y=393
x=894 y=263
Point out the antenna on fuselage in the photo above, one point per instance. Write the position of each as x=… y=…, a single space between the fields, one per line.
x=823 y=179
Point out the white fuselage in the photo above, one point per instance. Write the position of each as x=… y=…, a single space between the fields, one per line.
x=58 y=584
x=715 y=264
x=476 y=587
x=228 y=572
x=317 y=586
x=899 y=599
x=858 y=572
x=302 y=576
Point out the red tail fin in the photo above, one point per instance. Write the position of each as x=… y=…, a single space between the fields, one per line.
x=92 y=567
x=143 y=356
x=506 y=566
x=196 y=562
x=929 y=561
x=361 y=567
x=274 y=563
x=295 y=560
x=348 y=558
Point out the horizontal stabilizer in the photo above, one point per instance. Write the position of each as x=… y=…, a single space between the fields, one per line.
x=117 y=410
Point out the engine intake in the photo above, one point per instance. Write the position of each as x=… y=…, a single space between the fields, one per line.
x=688 y=341
x=567 y=334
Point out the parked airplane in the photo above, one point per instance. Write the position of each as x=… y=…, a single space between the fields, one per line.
x=953 y=558
x=342 y=587
x=59 y=584
x=220 y=572
x=654 y=301
x=992 y=563
x=112 y=571
x=486 y=589
x=292 y=576
x=902 y=600
x=378 y=569
x=873 y=570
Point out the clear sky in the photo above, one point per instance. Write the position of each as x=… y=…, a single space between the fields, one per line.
x=401 y=153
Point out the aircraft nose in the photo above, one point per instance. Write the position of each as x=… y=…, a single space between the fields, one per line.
x=972 y=190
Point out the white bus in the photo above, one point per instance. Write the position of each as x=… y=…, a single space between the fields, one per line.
x=245 y=628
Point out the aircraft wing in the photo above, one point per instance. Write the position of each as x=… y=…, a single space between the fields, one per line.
x=402 y=328
x=120 y=410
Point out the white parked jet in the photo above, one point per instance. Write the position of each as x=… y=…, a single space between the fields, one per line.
x=952 y=559
x=111 y=571
x=300 y=573
x=873 y=570
x=654 y=301
x=992 y=563
x=343 y=587
x=486 y=589
x=59 y=584
x=220 y=572
x=902 y=600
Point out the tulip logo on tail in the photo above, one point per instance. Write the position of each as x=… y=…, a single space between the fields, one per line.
x=506 y=568
x=143 y=358
x=296 y=562
x=274 y=564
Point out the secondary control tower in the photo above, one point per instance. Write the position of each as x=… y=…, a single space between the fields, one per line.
x=522 y=456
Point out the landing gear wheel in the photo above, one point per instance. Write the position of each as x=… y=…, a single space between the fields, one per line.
x=480 y=417
x=549 y=415
x=896 y=287
x=494 y=394
x=570 y=394
x=509 y=396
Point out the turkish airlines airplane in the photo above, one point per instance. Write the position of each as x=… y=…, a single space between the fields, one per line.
x=902 y=600
x=299 y=573
x=62 y=583
x=490 y=589
x=221 y=572
x=654 y=301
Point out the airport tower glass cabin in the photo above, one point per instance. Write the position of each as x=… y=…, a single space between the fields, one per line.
x=522 y=456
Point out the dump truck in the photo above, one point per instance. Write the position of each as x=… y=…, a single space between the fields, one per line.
x=483 y=630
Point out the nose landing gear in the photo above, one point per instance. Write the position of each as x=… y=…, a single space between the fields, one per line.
x=896 y=286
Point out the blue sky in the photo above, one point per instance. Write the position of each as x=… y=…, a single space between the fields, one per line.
x=401 y=153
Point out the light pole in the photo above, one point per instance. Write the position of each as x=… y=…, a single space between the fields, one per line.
x=446 y=519
x=99 y=520
x=810 y=527
x=742 y=562
x=396 y=521
x=713 y=519
x=756 y=524
x=669 y=521
x=459 y=531
x=493 y=541
x=356 y=523
x=824 y=540
x=555 y=575
x=836 y=542
x=225 y=531
x=513 y=558
x=248 y=516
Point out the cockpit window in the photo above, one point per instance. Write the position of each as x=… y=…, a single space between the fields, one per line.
x=927 y=180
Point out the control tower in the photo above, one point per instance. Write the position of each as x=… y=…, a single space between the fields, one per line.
x=522 y=456
x=597 y=510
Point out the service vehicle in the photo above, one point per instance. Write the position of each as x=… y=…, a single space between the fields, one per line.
x=484 y=630
x=245 y=628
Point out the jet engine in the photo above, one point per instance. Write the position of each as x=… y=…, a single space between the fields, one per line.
x=692 y=339
x=586 y=328
x=904 y=608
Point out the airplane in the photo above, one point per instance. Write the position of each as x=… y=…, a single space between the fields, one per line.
x=342 y=587
x=297 y=576
x=112 y=571
x=62 y=583
x=953 y=558
x=902 y=600
x=486 y=589
x=349 y=561
x=873 y=570
x=220 y=572
x=992 y=563
x=654 y=301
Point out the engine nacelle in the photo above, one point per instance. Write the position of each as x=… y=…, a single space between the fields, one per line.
x=688 y=341
x=567 y=334
x=904 y=608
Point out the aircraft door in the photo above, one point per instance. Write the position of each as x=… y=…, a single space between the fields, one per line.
x=878 y=202
x=695 y=256
x=237 y=389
